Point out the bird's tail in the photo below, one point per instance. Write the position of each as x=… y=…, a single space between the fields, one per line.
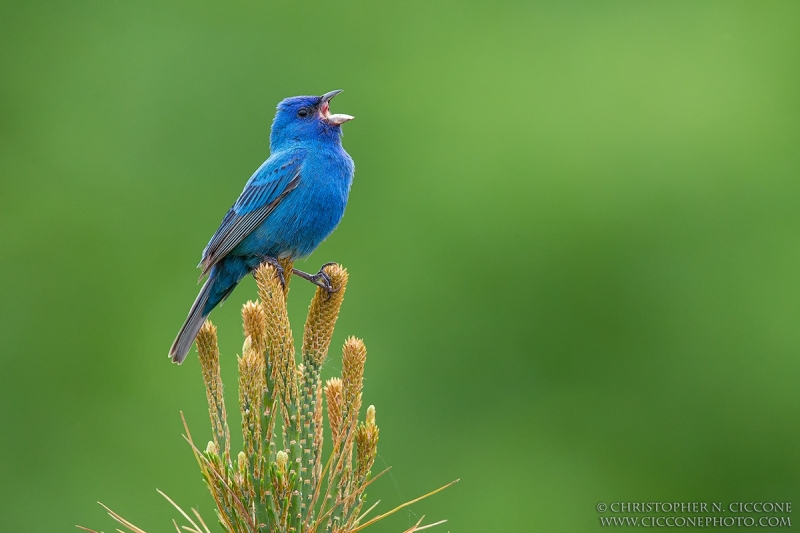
x=197 y=315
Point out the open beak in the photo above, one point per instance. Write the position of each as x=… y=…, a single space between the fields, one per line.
x=324 y=108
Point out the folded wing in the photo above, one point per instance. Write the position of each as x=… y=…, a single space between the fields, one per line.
x=265 y=189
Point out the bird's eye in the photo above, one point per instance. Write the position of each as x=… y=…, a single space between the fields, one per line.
x=303 y=112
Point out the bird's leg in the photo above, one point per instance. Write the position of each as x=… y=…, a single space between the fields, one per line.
x=278 y=268
x=320 y=279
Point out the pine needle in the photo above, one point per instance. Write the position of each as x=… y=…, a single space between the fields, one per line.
x=186 y=516
x=121 y=520
x=365 y=513
x=402 y=506
x=200 y=518
x=427 y=526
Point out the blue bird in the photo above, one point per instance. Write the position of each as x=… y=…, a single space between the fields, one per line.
x=287 y=208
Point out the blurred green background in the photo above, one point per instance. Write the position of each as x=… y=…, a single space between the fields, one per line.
x=572 y=239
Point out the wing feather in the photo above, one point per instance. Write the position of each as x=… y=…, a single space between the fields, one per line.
x=263 y=192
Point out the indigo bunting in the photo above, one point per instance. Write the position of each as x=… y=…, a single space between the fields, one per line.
x=289 y=205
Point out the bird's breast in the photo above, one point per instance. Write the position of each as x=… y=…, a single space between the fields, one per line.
x=311 y=212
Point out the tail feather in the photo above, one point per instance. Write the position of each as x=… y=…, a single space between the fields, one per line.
x=183 y=342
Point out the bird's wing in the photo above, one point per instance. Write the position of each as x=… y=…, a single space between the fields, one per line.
x=265 y=189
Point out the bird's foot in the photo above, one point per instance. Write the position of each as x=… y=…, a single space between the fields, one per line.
x=278 y=269
x=321 y=279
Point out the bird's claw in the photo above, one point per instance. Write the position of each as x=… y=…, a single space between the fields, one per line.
x=321 y=279
x=278 y=270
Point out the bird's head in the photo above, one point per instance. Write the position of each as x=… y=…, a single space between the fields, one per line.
x=306 y=118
